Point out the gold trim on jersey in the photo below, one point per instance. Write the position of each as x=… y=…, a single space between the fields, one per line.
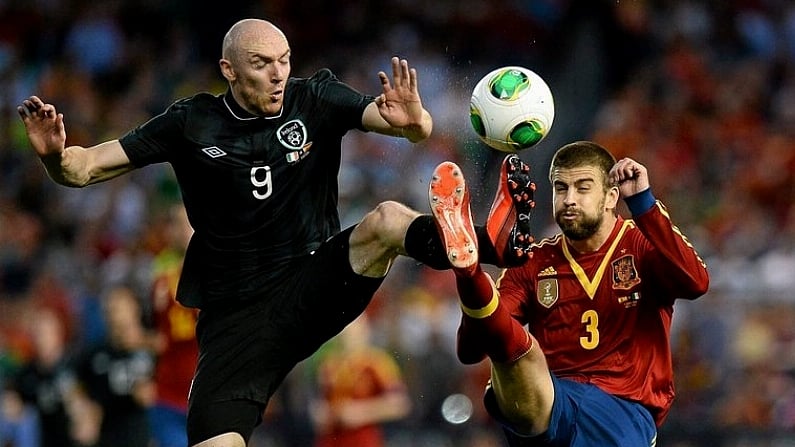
x=589 y=285
x=679 y=233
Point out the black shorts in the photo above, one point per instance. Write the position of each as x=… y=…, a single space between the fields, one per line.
x=247 y=349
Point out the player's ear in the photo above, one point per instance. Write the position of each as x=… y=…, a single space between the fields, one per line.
x=226 y=69
x=611 y=200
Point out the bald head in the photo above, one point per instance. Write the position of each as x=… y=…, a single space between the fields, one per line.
x=255 y=60
x=248 y=33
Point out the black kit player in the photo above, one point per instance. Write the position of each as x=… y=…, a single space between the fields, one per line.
x=268 y=266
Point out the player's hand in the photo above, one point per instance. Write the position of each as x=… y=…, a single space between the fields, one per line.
x=44 y=126
x=629 y=176
x=400 y=103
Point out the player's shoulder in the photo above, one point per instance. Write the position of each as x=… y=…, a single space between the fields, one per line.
x=202 y=103
x=206 y=113
x=321 y=75
x=631 y=230
x=312 y=82
x=199 y=100
x=544 y=252
x=547 y=245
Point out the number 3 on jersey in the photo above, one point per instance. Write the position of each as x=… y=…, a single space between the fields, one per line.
x=590 y=319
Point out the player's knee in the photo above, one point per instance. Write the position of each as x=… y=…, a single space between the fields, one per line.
x=225 y=440
x=388 y=221
x=388 y=209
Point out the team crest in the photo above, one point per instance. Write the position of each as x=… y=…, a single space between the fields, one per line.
x=547 y=292
x=625 y=275
x=293 y=136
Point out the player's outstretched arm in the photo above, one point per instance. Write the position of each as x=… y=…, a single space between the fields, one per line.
x=70 y=166
x=398 y=109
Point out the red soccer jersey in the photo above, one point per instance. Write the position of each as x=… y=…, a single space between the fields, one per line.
x=604 y=317
x=177 y=325
x=358 y=375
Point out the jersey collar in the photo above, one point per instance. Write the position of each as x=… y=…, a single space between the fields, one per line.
x=239 y=112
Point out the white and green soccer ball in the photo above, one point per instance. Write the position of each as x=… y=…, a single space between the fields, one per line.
x=512 y=109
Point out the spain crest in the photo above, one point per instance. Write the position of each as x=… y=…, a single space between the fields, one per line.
x=625 y=275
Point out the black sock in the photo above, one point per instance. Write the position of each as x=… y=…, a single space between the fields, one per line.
x=424 y=244
x=486 y=252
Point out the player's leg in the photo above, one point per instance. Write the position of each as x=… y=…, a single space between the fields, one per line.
x=393 y=229
x=224 y=440
x=521 y=378
x=523 y=392
x=379 y=238
x=246 y=349
x=482 y=314
x=222 y=424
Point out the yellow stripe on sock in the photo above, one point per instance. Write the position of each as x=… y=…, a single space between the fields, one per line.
x=486 y=311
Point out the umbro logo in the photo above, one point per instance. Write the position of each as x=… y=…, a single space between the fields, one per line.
x=214 y=151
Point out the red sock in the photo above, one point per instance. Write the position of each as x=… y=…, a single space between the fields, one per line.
x=487 y=329
x=476 y=290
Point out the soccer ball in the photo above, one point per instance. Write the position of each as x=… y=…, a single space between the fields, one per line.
x=511 y=109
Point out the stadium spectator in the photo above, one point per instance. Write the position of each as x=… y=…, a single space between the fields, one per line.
x=360 y=390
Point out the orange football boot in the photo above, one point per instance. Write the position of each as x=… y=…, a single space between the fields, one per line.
x=508 y=224
x=449 y=199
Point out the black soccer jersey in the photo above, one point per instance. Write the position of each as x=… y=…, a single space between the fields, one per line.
x=258 y=190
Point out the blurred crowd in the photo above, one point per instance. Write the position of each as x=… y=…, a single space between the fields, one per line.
x=702 y=92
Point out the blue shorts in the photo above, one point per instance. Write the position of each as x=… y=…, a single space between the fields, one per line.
x=168 y=426
x=584 y=415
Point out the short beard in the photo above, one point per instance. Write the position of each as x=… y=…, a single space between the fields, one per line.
x=579 y=230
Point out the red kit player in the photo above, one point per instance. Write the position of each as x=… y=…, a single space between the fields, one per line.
x=578 y=336
x=175 y=343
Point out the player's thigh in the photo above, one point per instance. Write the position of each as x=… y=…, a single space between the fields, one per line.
x=529 y=382
x=334 y=294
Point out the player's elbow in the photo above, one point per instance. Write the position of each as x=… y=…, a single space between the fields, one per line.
x=699 y=286
x=701 y=290
x=702 y=282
